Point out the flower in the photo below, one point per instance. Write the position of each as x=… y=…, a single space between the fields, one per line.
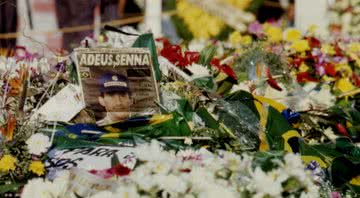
x=38 y=143
x=265 y=184
x=235 y=37
x=246 y=40
x=328 y=49
x=37 y=167
x=274 y=33
x=38 y=188
x=300 y=46
x=255 y=28
x=7 y=163
x=292 y=35
x=344 y=85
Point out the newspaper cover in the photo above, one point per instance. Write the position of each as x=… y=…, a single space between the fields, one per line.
x=117 y=84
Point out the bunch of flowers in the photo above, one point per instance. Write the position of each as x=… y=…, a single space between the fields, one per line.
x=202 y=24
x=344 y=17
x=202 y=68
x=199 y=173
x=26 y=82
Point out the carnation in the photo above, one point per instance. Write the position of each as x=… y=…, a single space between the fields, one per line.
x=38 y=143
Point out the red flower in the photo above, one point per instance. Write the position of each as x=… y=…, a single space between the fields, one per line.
x=271 y=81
x=297 y=61
x=341 y=129
x=314 y=42
x=305 y=77
x=338 y=50
x=185 y=170
x=330 y=69
x=164 y=41
x=174 y=55
x=121 y=170
x=356 y=79
x=118 y=170
x=192 y=57
x=223 y=68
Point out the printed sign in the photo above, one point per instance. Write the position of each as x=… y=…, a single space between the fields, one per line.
x=89 y=158
x=117 y=83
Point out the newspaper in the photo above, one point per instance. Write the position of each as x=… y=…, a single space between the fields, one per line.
x=117 y=84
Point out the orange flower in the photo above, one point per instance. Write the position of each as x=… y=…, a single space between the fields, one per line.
x=8 y=131
x=15 y=86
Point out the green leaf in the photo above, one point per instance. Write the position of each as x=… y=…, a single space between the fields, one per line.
x=207 y=118
x=245 y=98
x=206 y=55
x=276 y=126
x=224 y=88
x=205 y=83
x=240 y=119
x=147 y=41
x=343 y=170
x=184 y=108
x=10 y=187
x=266 y=159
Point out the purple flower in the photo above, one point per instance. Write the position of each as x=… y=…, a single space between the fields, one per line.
x=255 y=28
x=320 y=70
x=61 y=67
x=317 y=172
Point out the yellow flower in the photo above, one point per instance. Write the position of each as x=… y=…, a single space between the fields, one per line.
x=328 y=49
x=300 y=46
x=344 y=68
x=37 y=167
x=7 y=163
x=344 y=85
x=246 y=40
x=326 y=78
x=303 y=67
x=292 y=35
x=199 y=23
x=274 y=33
x=235 y=37
x=312 y=29
x=242 y=5
x=354 y=48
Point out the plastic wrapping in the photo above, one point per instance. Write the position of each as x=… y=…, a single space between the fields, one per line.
x=241 y=120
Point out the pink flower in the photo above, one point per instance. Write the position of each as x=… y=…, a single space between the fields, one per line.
x=335 y=195
x=255 y=28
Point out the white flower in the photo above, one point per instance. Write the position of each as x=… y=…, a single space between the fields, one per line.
x=38 y=188
x=38 y=143
x=265 y=184
x=103 y=194
x=126 y=192
x=61 y=183
x=198 y=71
x=216 y=192
x=330 y=134
x=171 y=183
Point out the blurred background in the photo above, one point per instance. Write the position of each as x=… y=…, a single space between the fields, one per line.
x=62 y=24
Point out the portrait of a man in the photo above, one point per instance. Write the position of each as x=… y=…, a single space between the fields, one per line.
x=115 y=97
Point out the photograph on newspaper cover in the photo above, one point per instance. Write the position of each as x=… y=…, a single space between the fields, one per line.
x=117 y=84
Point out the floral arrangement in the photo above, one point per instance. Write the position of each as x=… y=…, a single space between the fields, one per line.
x=198 y=173
x=344 y=17
x=27 y=81
x=190 y=17
x=252 y=102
